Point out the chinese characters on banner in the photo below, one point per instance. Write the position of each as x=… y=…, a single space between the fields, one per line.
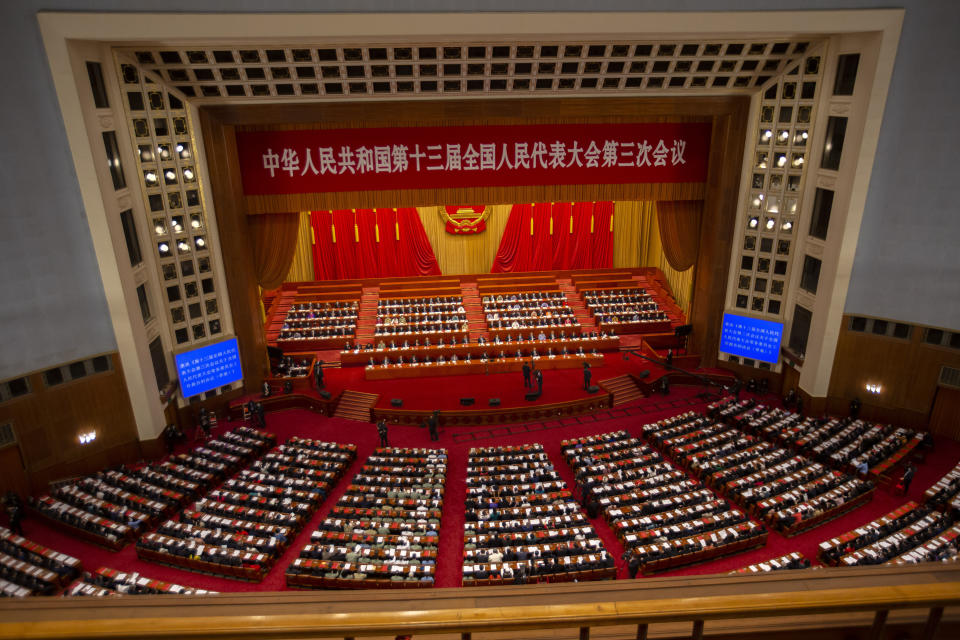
x=313 y=161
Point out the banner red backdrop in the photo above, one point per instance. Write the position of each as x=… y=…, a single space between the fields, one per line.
x=562 y=235
x=315 y=161
x=370 y=243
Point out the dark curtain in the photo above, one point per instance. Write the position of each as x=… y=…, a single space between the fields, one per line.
x=274 y=244
x=679 y=223
x=560 y=235
x=368 y=243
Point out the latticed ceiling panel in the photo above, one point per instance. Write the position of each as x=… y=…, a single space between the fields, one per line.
x=336 y=71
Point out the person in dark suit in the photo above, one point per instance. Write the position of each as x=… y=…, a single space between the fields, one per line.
x=908 y=477
x=433 y=423
x=587 y=374
x=318 y=374
x=526 y=375
x=539 y=377
x=382 y=432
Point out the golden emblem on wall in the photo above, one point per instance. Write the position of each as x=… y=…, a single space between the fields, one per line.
x=464 y=219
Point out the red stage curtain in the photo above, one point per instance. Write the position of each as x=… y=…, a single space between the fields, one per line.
x=274 y=243
x=531 y=243
x=511 y=240
x=603 y=235
x=563 y=240
x=369 y=243
x=323 y=264
x=679 y=223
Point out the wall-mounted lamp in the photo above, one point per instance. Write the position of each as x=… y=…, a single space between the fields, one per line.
x=88 y=437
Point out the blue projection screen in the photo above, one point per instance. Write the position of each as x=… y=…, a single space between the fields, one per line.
x=751 y=338
x=209 y=367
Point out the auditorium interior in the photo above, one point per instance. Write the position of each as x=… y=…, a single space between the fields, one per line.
x=480 y=320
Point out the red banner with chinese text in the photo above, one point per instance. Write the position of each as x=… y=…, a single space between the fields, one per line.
x=315 y=161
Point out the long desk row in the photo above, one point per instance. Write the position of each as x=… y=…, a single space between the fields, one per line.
x=518 y=536
x=461 y=368
x=663 y=518
x=107 y=581
x=475 y=351
x=383 y=531
x=260 y=518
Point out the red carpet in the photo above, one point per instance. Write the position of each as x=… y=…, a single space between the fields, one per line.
x=458 y=443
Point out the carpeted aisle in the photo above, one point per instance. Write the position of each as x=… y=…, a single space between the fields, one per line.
x=458 y=443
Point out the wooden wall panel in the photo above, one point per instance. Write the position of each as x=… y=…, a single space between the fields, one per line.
x=907 y=369
x=345 y=115
x=716 y=230
x=236 y=248
x=945 y=416
x=13 y=474
x=283 y=203
x=48 y=421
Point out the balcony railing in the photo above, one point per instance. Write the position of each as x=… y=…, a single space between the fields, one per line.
x=127 y=622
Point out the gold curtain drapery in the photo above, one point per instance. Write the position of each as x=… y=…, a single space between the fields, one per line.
x=636 y=243
x=679 y=222
x=274 y=239
x=466 y=254
x=301 y=267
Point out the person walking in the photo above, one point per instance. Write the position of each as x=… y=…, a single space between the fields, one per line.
x=908 y=477
x=318 y=374
x=539 y=376
x=382 y=432
x=587 y=374
x=526 y=375
x=15 y=511
x=433 y=425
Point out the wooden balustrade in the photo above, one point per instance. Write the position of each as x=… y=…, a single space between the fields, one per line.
x=193 y=622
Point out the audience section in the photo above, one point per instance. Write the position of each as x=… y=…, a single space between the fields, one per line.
x=383 y=532
x=523 y=525
x=113 y=507
x=626 y=310
x=106 y=582
x=28 y=568
x=241 y=528
x=945 y=493
x=786 y=490
x=846 y=444
x=318 y=325
x=795 y=560
x=663 y=518
x=909 y=534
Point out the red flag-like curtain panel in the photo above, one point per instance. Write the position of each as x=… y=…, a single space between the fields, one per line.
x=561 y=235
x=370 y=243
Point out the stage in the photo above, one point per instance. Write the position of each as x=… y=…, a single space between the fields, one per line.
x=629 y=376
